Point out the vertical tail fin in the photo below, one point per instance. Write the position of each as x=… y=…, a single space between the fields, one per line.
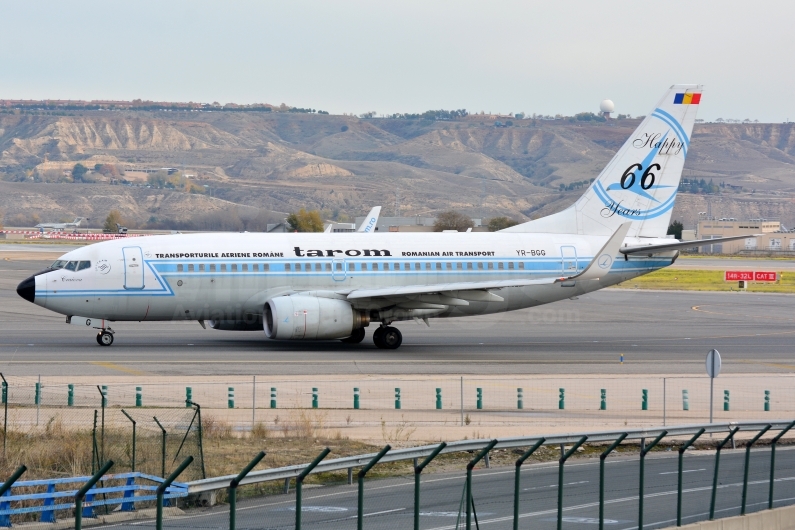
x=640 y=182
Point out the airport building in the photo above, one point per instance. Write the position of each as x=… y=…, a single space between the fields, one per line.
x=773 y=238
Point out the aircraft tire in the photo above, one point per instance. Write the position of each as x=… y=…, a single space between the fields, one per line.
x=105 y=338
x=99 y=338
x=356 y=337
x=392 y=338
x=378 y=338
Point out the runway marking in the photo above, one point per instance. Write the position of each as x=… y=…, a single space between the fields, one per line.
x=555 y=485
x=113 y=366
x=766 y=318
x=774 y=365
x=688 y=471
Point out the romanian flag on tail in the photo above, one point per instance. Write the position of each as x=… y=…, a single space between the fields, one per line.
x=687 y=98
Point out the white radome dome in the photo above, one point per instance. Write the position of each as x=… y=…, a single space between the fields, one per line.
x=607 y=106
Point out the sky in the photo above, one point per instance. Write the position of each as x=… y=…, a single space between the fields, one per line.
x=349 y=56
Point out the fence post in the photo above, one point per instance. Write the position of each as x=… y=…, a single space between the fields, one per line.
x=715 y=476
x=273 y=397
x=417 y=471
x=643 y=452
x=517 y=480
x=133 y=440
x=163 y=448
x=299 y=482
x=645 y=400
x=725 y=401
x=81 y=493
x=314 y=398
x=519 y=398
x=679 y=485
x=438 y=399
x=139 y=397
x=603 y=404
x=70 y=395
x=5 y=520
x=230 y=397
x=397 y=398
x=5 y=413
x=773 y=443
x=161 y=490
x=767 y=400
x=562 y=399
x=480 y=399
x=188 y=397
x=470 y=466
x=565 y=456
x=685 y=400
x=233 y=488
x=602 y=458
x=362 y=473
x=747 y=463
x=355 y=398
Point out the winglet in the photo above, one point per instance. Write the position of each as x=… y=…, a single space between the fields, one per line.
x=603 y=260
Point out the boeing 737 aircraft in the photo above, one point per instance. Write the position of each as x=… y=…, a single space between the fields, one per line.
x=332 y=286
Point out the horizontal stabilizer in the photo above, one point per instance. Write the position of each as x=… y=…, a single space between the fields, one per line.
x=603 y=261
x=650 y=249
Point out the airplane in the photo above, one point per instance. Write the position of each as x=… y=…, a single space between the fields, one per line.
x=304 y=286
x=369 y=224
x=61 y=226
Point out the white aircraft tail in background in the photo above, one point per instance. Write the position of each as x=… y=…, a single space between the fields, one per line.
x=370 y=222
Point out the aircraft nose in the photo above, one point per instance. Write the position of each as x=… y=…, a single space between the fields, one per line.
x=27 y=289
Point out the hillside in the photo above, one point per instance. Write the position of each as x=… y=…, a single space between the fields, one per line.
x=280 y=162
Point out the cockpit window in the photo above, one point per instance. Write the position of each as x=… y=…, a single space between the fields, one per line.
x=60 y=264
x=71 y=266
x=83 y=265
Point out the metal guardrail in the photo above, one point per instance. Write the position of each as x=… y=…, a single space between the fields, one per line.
x=338 y=464
x=52 y=498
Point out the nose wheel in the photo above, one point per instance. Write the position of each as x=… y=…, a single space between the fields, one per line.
x=105 y=338
x=387 y=338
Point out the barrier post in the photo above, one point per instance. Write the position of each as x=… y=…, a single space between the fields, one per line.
x=603 y=404
x=355 y=398
x=233 y=488
x=644 y=405
x=767 y=400
x=362 y=473
x=188 y=397
x=273 y=397
x=519 y=398
x=104 y=392
x=725 y=401
x=230 y=397
x=299 y=484
x=397 y=398
x=773 y=443
x=5 y=520
x=161 y=490
x=139 y=397
x=561 y=463
x=643 y=452
x=562 y=399
x=37 y=395
x=417 y=471
x=679 y=484
x=715 y=476
x=133 y=439
x=70 y=395
x=314 y=398
x=479 y=398
x=517 y=480
x=470 y=466
x=438 y=399
x=81 y=493
x=747 y=463
x=685 y=400
x=602 y=458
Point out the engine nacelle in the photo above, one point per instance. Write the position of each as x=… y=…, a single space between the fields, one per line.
x=254 y=324
x=309 y=317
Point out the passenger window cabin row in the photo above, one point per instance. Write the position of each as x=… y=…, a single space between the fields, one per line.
x=352 y=266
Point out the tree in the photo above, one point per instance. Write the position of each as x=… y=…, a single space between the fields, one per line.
x=113 y=218
x=306 y=221
x=78 y=172
x=675 y=229
x=498 y=223
x=452 y=220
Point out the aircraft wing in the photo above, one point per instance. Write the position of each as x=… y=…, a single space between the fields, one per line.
x=458 y=292
x=370 y=221
x=652 y=249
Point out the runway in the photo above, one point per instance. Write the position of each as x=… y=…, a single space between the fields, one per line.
x=658 y=332
x=388 y=503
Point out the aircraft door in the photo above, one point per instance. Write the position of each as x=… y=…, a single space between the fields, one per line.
x=338 y=269
x=568 y=256
x=133 y=268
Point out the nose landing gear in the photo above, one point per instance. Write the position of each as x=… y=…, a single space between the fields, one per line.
x=387 y=338
x=105 y=337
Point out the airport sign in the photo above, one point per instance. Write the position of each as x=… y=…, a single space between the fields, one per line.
x=750 y=276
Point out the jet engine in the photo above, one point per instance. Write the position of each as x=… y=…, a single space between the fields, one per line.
x=301 y=317
x=254 y=324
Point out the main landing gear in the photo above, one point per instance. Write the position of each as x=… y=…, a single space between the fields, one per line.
x=105 y=337
x=356 y=337
x=387 y=338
